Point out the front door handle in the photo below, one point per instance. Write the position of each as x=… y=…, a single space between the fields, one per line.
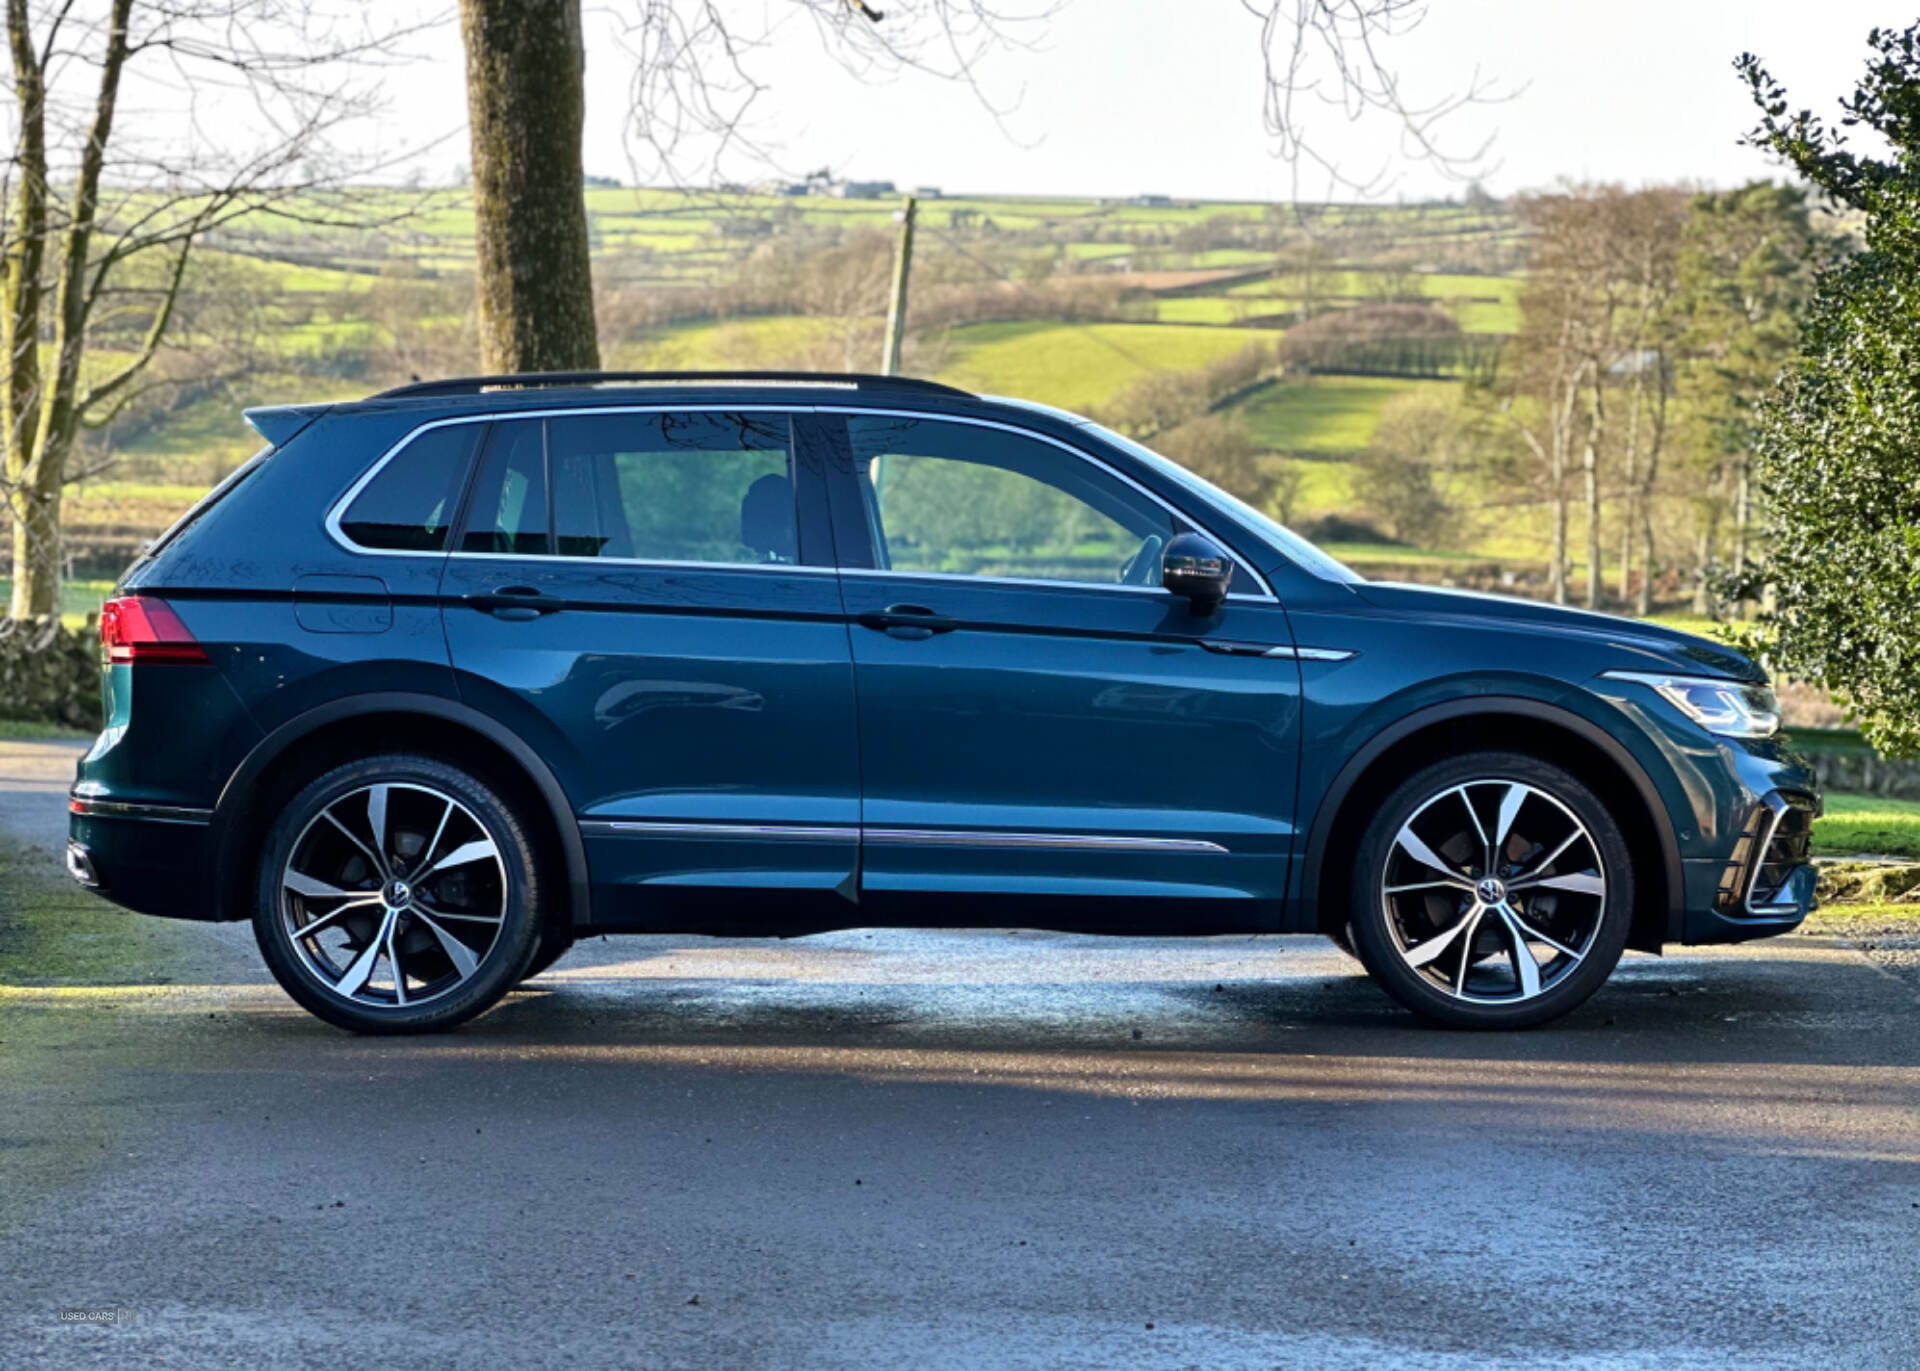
x=907 y=621
x=517 y=603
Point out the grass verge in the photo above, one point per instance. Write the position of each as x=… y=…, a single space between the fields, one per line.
x=1867 y=823
x=38 y=729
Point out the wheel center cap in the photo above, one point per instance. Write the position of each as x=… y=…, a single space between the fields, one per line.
x=398 y=894
x=1491 y=891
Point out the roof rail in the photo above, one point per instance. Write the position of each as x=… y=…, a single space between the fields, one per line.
x=531 y=380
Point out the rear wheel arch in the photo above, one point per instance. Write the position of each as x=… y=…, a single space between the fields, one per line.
x=311 y=743
x=1511 y=724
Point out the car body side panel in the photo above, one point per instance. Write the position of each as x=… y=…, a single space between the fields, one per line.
x=1068 y=742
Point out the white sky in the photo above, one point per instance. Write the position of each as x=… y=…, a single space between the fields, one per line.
x=1127 y=96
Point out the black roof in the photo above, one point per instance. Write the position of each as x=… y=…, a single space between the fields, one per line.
x=537 y=380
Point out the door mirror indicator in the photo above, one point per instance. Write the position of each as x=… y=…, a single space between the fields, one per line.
x=1195 y=567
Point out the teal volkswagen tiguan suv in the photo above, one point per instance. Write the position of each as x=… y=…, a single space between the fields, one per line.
x=443 y=680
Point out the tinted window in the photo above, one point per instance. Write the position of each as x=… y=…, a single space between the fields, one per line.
x=409 y=506
x=705 y=487
x=967 y=500
x=508 y=513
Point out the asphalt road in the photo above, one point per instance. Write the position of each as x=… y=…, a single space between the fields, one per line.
x=955 y=1151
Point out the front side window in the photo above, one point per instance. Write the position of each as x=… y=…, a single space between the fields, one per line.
x=409 y=505
x=674 y=487
x=963 y=499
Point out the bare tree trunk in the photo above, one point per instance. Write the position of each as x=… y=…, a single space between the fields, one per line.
x=1742 y=518
x=1643 y=603
x=1629 y=521
x=1559 y=578
x=1590 y=469
x=1649 y=477
x=33 y=525
x=526 y=104
x=36 y=549
x=1703 y=599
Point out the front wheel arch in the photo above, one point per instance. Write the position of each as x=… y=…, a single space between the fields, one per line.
x=1512 y=724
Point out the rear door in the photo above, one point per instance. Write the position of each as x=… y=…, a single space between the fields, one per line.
x=1039 y=720
x=648 y=597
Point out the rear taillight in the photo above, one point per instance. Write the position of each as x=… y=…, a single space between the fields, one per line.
x=139 y=628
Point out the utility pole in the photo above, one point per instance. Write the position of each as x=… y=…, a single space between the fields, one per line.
x=897 y=301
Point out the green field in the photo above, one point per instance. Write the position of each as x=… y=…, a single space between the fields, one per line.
x=341 y=313
x=1333 y=415
x=1080 y=366
x=1866 y=823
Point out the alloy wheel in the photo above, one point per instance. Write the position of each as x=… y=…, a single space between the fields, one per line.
x=1494 y=891
x=393 y=895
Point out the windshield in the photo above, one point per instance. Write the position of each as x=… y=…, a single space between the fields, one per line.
x=1302 y=552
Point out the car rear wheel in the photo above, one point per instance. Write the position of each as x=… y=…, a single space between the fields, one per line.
x=397 y=894
x=1493 y=890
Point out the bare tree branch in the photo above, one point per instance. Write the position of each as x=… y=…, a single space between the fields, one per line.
x=1335 y=56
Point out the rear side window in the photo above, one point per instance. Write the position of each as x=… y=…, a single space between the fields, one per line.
x=686 y=487
x=508 y=513
x=410 y=504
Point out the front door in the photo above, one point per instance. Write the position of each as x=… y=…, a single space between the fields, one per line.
x=648 y=598
x=1038 y=718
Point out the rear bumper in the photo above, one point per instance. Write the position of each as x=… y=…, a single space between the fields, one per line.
x=151 y=859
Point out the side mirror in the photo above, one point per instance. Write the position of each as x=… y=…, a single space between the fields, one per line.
x=1193 y=566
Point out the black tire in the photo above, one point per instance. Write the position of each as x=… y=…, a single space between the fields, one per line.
x=1574 y=918
x=508 y=879
x=554 y=944
x=1342 y=938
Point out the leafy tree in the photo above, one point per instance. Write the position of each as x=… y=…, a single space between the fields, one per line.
x=1745 y=271
x=1838 y=445
x=1420 y=437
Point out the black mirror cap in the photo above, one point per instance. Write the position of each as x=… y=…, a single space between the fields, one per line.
x=1194 y=566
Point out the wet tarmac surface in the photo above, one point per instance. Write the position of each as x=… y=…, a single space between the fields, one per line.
x=957 y=1150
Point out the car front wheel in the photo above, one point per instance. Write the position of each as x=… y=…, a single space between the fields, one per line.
x=1492 y=890
x=397 y=894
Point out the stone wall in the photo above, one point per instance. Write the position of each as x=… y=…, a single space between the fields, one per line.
x=51 y=674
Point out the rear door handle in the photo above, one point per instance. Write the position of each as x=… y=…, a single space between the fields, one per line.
x=518 y=603
x=907 y=621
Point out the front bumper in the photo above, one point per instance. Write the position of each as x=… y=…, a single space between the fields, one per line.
x=1766 y=885
x=151 y=859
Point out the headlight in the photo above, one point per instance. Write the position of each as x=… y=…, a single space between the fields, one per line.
x=1733 y=709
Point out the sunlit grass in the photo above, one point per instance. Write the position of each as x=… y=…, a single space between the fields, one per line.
x=1335 y=414
x=1081 y=366
x=1868 y=823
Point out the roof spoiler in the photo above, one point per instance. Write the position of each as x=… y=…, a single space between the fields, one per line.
x=279 y=423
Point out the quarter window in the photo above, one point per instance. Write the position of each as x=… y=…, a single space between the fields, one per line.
x=961 y=499
x=409 y=506
x=674 y=487
x=508 y=513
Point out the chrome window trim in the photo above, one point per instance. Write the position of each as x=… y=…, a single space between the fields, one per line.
x=785 y=568
x=922 y=837
x=340 y=506
x=1266 y=590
